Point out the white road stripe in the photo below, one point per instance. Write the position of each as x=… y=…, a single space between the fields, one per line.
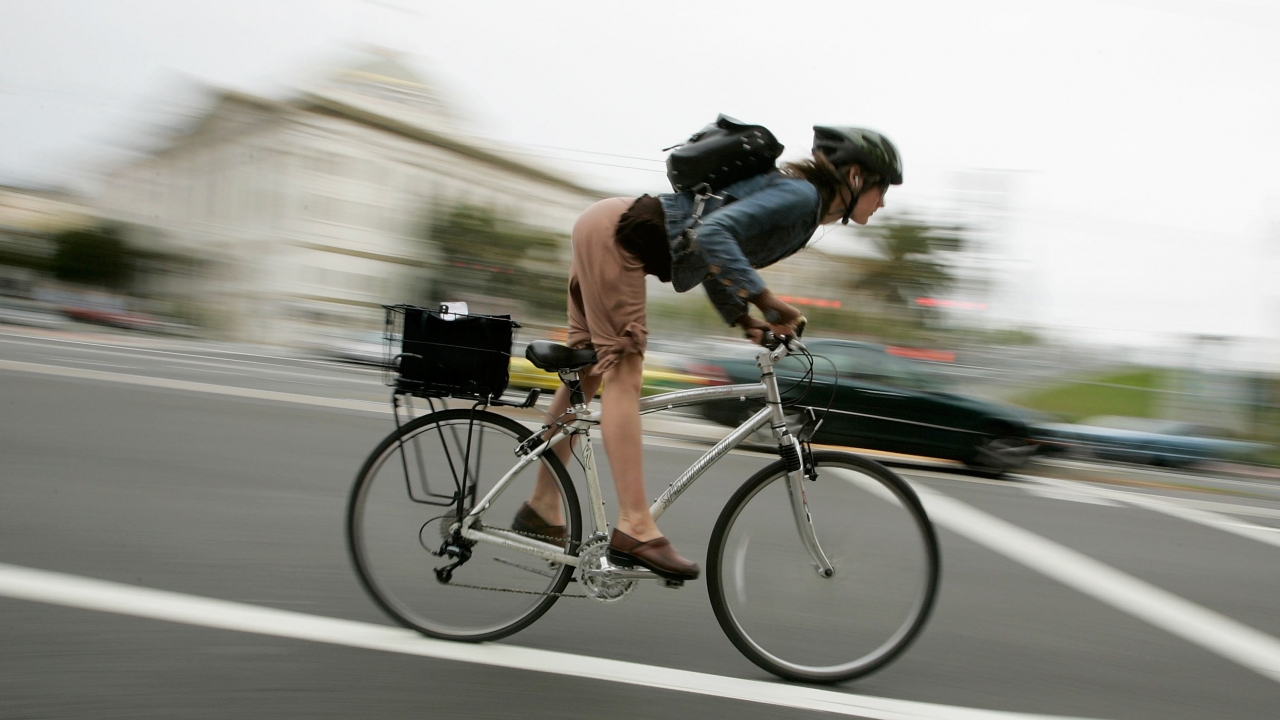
x=1054 y=493
x=1223 y=507
x=86 y=593
x=1214 y=632
x=1211 y=505
x=1239 y=528
x=1166 y=476
x=189 y=386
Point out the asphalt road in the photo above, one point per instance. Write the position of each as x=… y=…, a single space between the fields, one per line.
x=221 y=473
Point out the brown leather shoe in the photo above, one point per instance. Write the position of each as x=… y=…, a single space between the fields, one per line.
x=657 y=555
x=528 y=522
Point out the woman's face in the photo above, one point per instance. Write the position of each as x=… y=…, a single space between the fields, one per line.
x=869 y=201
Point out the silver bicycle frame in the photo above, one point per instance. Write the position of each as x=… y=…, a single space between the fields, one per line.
x=771 y=414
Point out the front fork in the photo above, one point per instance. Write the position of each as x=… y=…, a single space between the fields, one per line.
x=793 y=456
x=798 y=463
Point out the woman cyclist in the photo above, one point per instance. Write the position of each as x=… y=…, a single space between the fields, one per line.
x=752 y=224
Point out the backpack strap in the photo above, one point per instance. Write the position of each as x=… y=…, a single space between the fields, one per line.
x=701 y=193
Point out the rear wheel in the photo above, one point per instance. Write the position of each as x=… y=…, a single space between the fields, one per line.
x=398 y=523
x=793 y=621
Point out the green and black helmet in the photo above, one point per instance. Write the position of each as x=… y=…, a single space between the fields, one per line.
x=844 y=145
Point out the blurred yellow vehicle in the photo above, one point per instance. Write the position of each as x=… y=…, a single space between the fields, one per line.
x=525 y=375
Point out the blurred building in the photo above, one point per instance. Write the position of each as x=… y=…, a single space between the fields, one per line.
x=308 y=213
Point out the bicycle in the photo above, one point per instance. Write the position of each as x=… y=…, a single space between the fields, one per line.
x=822 y=566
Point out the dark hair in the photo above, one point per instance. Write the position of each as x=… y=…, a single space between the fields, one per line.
x=820 y=173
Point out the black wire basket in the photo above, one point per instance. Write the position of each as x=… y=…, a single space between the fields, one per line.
x=433 y=353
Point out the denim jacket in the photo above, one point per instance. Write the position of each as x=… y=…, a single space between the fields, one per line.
x=751 y=224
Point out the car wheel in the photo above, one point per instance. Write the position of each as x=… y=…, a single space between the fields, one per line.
x=996 y=455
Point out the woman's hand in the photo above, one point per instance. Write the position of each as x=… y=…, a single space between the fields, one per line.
x=782 y=318
x=753 y=329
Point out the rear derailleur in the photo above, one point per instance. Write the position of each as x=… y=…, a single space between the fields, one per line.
x=459 y=550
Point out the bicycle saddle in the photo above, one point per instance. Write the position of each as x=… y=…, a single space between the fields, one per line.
x=546 y=355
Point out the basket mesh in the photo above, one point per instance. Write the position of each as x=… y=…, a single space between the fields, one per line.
x=431 y=353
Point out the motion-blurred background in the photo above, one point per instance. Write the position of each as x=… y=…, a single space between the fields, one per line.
x=1090 y=227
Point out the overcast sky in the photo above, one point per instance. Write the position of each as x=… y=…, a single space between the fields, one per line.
x=1136 y=143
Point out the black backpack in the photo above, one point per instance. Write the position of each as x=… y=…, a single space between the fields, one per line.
x=720 y=155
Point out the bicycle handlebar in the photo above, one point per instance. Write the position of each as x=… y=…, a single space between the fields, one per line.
x=771 y=341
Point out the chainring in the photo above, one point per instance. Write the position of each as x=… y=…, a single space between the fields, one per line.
x=591 y=564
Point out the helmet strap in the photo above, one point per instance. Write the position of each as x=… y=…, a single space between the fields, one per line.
x=853 y=200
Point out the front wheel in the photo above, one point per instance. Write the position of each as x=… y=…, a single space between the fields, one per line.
x=790 y=619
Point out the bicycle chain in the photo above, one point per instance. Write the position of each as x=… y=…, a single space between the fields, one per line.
x=492 y=588
x=515 y=591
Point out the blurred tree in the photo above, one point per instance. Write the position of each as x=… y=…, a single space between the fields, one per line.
x=93 y=256
x=483 y=253
x=906 y=266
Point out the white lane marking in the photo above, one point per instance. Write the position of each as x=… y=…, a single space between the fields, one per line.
x=1214 y=632
x=1072 y=495
x=1267 y=535
x=189 y=386
x=1219 y=507
x=1168 y=476
x=90 y=594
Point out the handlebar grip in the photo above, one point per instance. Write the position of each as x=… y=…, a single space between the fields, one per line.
x=772 y=341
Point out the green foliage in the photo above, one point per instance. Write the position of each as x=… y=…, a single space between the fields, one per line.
x=906 y=267
x=94 y=256
x=482 y=252
x=19 y=258
x=1130 y=394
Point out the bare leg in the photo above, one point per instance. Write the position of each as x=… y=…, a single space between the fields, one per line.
x=620 y=425
x=546 y=497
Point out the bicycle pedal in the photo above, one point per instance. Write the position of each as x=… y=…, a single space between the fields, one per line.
x=672 y=583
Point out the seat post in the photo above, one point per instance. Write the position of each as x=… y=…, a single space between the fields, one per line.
x=577 y=398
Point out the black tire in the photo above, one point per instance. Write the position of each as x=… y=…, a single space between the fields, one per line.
x=995 y=455
x=400 y=577
x=780 y=629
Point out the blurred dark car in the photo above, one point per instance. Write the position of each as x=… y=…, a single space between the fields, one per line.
x=884 y=402
x=1145 y=441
